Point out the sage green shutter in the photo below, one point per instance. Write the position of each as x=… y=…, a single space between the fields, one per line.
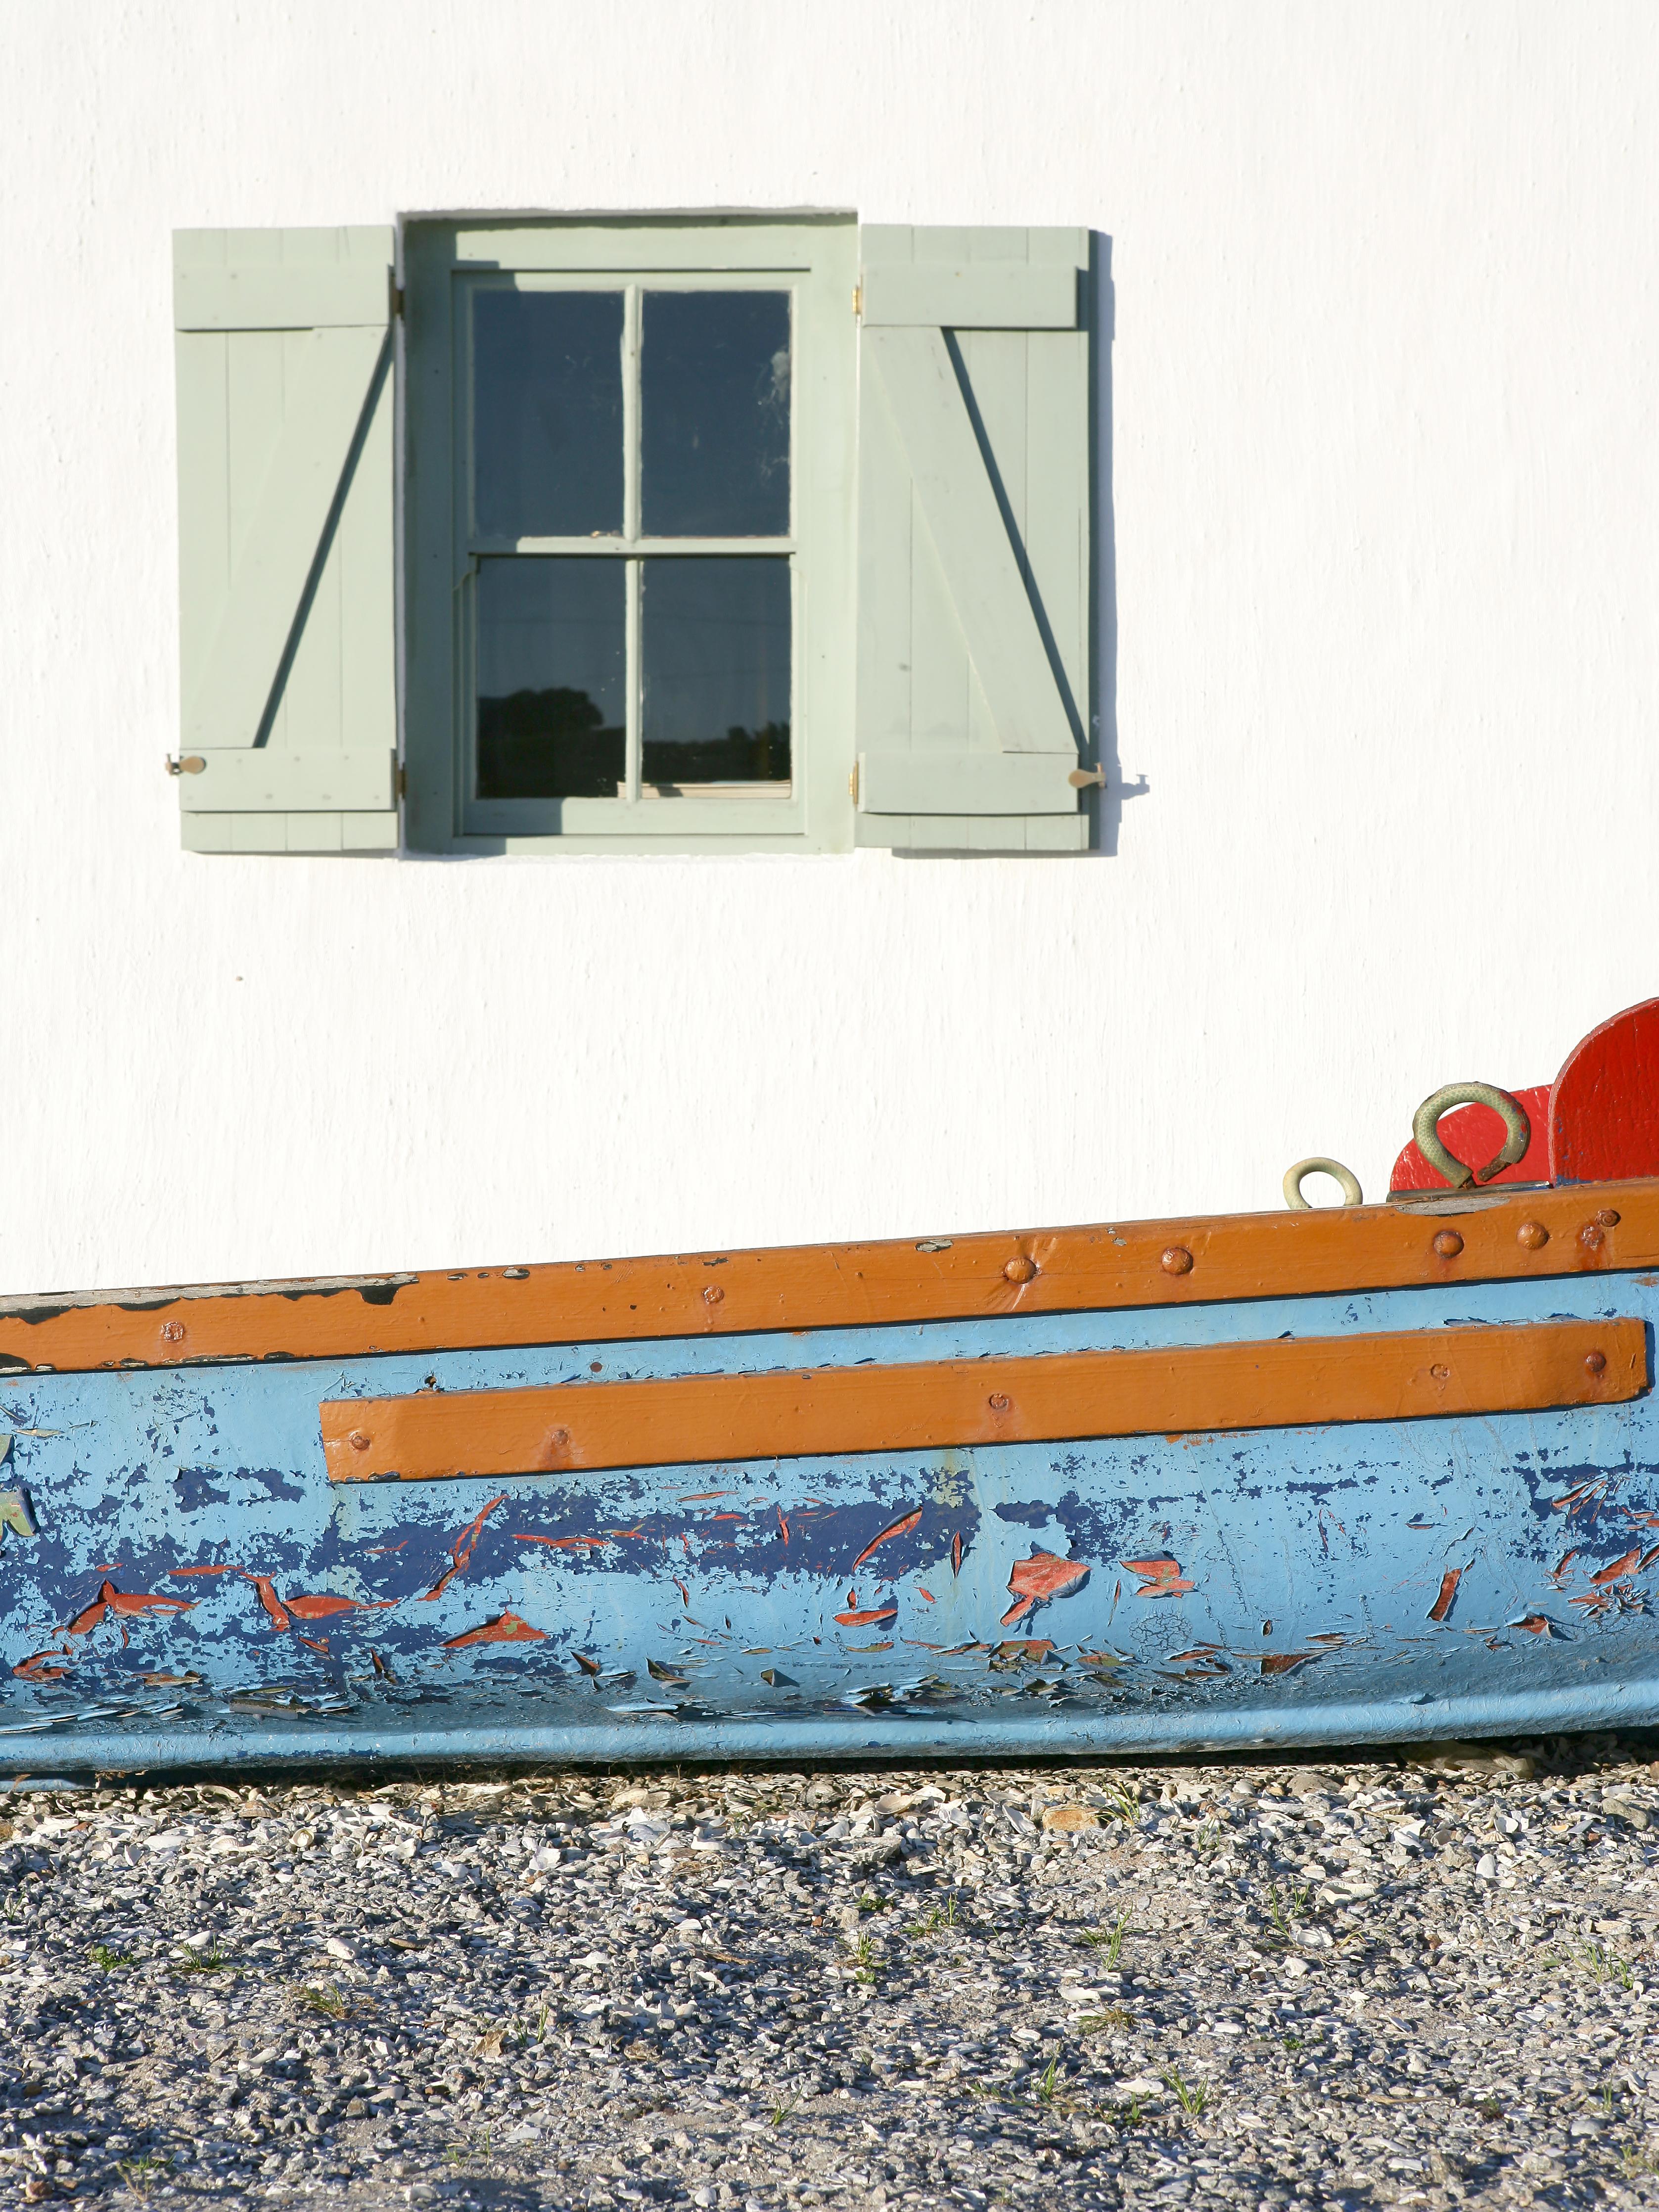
x=285 y=546
x=974 y=505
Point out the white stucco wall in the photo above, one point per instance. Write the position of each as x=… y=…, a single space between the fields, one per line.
x=1386 y=510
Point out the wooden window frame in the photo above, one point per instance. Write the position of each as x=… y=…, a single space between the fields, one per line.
x=444 y=260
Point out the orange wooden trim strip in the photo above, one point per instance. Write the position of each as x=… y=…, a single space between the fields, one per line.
x=1588 y=1229
x=957 y=1402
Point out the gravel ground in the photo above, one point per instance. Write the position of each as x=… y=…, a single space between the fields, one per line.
x=1366 y=1981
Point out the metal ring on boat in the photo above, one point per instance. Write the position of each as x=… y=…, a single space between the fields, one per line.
x=1458 y=1173
x=1351 y=1194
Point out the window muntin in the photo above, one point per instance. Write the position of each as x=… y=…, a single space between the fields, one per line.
x=615 y=420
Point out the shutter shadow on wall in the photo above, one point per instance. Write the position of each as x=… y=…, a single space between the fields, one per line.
x=974 y=521
x=287 y=649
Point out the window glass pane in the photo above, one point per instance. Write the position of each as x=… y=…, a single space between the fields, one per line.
x=552 y=674
x=714 y=414
x=547 y=413
x=715 y=638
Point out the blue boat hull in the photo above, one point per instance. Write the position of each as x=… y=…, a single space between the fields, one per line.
x=197 y=1593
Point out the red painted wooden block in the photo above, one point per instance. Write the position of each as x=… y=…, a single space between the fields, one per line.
x=1604 y=1110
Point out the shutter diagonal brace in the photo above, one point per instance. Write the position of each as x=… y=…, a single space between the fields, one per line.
x=287 y=545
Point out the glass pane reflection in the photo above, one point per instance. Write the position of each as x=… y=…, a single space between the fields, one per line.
x=547 y=413
x=552 y=678
x=714 y=414
x=714 y=638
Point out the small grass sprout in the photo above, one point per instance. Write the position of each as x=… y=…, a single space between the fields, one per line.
x=111 y=1961
x=1122 y=1803
x=1109 y=1939
x=1286 y=1908
x=210 y=1961
x=780 y=2113
x=1192 y=2096
x=326 y=1999
x=1604 y=1966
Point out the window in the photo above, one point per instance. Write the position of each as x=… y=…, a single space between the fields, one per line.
x=632 y=587
x=716 y=534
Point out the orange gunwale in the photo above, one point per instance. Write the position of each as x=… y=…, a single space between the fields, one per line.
x=1591 y=1229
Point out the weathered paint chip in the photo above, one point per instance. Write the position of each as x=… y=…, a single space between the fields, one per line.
x=899 y=1528
x=505 y=1628
x=1159 y=1577
x=1043 y=1576
x=1441 y=1610
x=1619 y=1568
x=14 y=1512
x=464 y=1546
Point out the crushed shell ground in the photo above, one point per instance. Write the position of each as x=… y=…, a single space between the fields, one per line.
x=1371 y=1980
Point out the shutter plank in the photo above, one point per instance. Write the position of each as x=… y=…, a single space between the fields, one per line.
x=903 y=780
x=278 y=295
x=1054 y=523
x=885 y=619
x=363 y=554
x=314 y=833
x=204 y=527
x=281 y=779
x=973 y=833
x=987 y=295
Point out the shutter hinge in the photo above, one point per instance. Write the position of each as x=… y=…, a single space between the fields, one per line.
x=852 y=784
x=857 y=299
x=186 y=764
x=396 y=295
x=403 y=781
x=1081 y=778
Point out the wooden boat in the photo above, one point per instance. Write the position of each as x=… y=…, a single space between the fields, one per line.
x=1358 y=1472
